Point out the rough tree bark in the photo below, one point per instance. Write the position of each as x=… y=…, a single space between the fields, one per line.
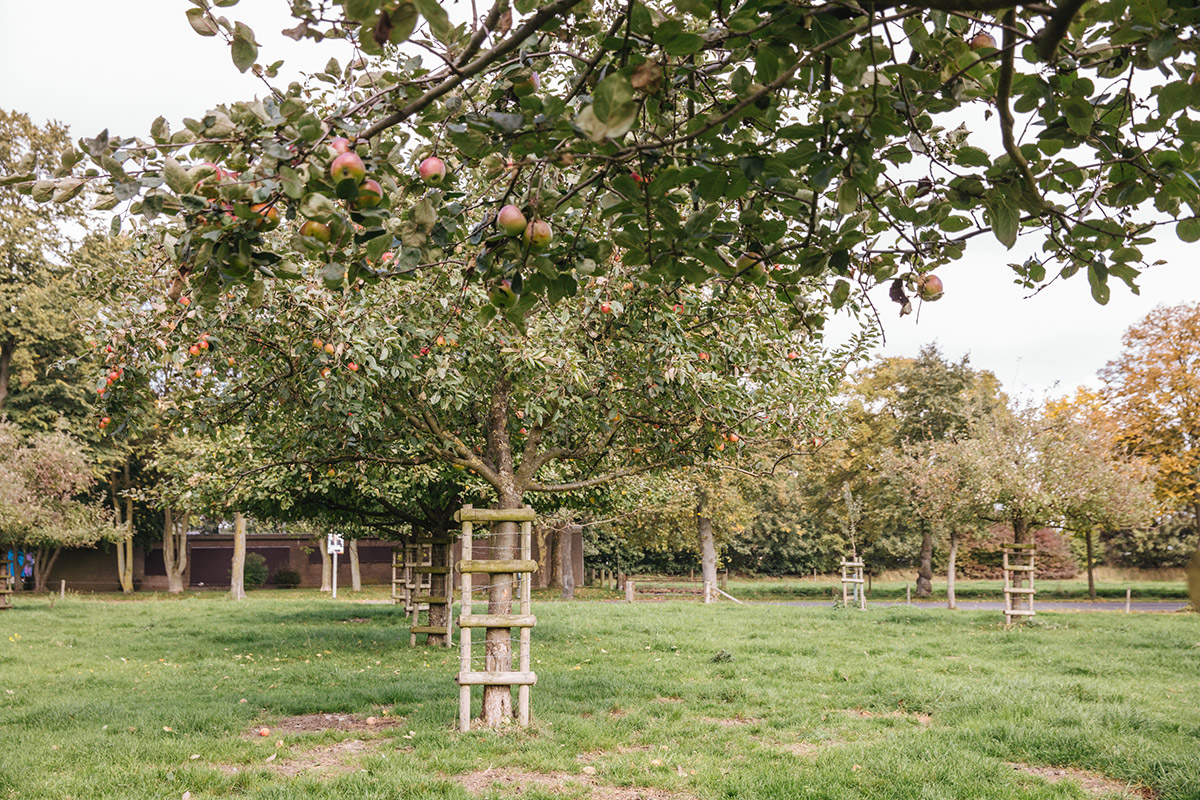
x=326 y=566
x=566 y=552
x=1020 y=530
x=553 y=557
x=925 y=570
x=355 y=573
x=237 y=570
x=952 y=571
x=175 y=556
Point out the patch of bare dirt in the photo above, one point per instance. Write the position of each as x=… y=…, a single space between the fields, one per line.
x=803 y=749
x=314 y=723
x=923 y=719
x=1093 y=783
x=515 y=783
x=337 y=758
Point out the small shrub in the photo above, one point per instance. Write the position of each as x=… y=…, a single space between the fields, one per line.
x=286 y=579
x=255 y=572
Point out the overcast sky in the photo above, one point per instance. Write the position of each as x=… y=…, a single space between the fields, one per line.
x=118 y=65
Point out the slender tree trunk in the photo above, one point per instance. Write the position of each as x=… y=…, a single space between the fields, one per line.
x=326 y=566
x=237 y=569
x=6 y=354
x=1020 y=531
x=554 y=556
x=43 y=562
x=175 y=555
x=708 y=545
x=439 y=586
x=952 y=571
x=124 y=544
x=1091 y=567
x=545 y=566
x=355 y=573
x=925 y=570
x=566 y=550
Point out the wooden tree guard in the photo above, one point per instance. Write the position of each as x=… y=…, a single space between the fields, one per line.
x=523 y=569
x=1019 y=570
x=7 y=580
x=422 y=597
x=852 y=575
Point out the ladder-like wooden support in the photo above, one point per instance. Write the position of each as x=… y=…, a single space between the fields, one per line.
x=7 y=581
x=852 y=576
x=1019 y=571
x=522 y=570
x=422 y=597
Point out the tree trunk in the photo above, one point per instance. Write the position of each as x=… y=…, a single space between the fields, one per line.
x=355 y=573
x=952 y=571
x=566 y=549
x=439 y=586
x=1020 y=531
x=125 y=544
x=707 y=546
x=925 y=571
x=553 y=541
x=1091 y=567
x=174 y=549
x=6 y=354
x=504 y=539
x=43 y=562
x=326 y=566
x=237 y=569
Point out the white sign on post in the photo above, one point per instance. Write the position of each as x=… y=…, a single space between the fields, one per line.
x=335 y=545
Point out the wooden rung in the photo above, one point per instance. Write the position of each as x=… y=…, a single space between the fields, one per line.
x=1015 y=546
x=853 y=580
x=853 y=564
x=497 y=621
x=1013 y=612
x=497 y=566
x=1019 y=568
x=1016 y=590
x=426 y=570
x=438 y=629
x=496 y=679
x=495 y=515
x=433 y=540
x=434 y=599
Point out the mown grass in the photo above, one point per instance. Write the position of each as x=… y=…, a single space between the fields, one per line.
x=106 y=699
x=826 y=586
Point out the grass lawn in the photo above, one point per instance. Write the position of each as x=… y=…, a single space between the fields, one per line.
x=664 y=701
x=1075 y=589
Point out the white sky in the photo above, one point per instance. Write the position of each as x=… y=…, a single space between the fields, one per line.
x=118 y=65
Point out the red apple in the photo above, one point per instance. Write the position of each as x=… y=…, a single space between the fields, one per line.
x=511 y=220
x=268 y=216
x=501 y=294
x=194 y=349
x=370 y=194
x=432 y=170
x=203 y=344
x=329 y=348
x=538 y=234
x=793 y=355
x=605 y=308
x=348 y=166
x=352 y=367
x=341 y=145
x=703 y=356
x=983 y=41
x=929 y=287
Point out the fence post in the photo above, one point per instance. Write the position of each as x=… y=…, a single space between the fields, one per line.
x=628 y=590
x=1128 y=597
x=62 y=589
x=708 y=592
x=908 y=593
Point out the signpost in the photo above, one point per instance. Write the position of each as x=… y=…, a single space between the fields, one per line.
x=335 y=545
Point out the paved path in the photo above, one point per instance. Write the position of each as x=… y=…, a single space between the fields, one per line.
x=998 y=605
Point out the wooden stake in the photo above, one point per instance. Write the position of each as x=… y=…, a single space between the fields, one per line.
x=464 y=636
x=1128 y=597
x=628 y=590
x=62 y=589
x=526 y=610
